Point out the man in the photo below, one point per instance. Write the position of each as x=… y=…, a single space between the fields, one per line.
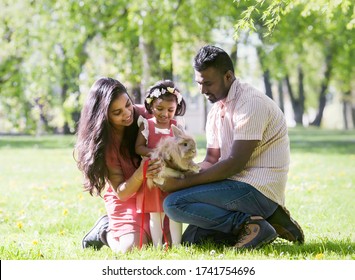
x=239 y=194
x=240 y=191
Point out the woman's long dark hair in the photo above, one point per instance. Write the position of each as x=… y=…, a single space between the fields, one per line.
x=95 y=133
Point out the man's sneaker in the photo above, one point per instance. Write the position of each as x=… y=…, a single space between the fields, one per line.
x=286 y=227
x=255 y=233
x=96 y=237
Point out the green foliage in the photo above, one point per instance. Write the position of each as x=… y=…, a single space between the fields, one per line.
x=316 y=36
x=44 y=212
x=52 y=51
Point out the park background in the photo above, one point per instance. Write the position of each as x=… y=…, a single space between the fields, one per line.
x=300 y=53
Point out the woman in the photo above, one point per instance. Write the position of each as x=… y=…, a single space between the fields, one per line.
x=105 y=153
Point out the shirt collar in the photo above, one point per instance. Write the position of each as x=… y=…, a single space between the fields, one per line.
x=232 y=93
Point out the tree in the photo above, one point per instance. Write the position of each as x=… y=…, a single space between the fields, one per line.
x=56 y=47
x=295 y=24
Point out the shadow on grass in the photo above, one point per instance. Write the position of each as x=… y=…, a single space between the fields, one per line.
x=323 y=147
x=281 y=248
x=340 y=248
x=33 y=142
x=313 y=140
x=316 y=140
x=307 y=140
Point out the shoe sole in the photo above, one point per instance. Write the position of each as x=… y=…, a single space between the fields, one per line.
x=97 y=222
x=296 y=235
x=287 y=235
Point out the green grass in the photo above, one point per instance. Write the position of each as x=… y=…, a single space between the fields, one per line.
x=44 y=213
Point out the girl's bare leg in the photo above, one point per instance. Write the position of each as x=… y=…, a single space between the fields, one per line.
x=155 y=223
x=175 y=232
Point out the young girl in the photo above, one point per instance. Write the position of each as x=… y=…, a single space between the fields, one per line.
x=165 y=102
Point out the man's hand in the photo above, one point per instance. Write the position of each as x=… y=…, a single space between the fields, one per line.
x=171 y=184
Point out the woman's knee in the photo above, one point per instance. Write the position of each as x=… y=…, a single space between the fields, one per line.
x=113 y=242
x=126 y=242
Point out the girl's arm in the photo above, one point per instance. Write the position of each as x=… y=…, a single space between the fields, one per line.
x=141 y=146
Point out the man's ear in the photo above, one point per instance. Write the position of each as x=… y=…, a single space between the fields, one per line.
x=229 y=76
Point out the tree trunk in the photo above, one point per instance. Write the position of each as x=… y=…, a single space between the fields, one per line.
x=234 y=54
x=69 y=80
x=301 y=96
x=348 y=118
x=345 y=115
x=168 y=73
x=63 y=94
x=296 y=106
x=150 y=56
x=281 y=96
x=322 y=95
x=266 y=72
x=321 y=106
x=136 y=90
x=145 y=66
x=267 y=83
x=42 y=123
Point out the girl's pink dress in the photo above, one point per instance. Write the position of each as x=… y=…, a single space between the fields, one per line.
x=123 y=215
x=151 y=200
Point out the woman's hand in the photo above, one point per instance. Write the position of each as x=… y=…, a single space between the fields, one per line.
x=126 y=189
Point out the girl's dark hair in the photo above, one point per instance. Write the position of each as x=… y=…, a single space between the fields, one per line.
x=165 y=84
x=95 y=133
x=211 y=56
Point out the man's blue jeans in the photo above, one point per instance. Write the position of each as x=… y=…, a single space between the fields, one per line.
x=221 y=206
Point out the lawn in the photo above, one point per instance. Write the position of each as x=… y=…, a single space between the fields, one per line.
x=44 y=213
